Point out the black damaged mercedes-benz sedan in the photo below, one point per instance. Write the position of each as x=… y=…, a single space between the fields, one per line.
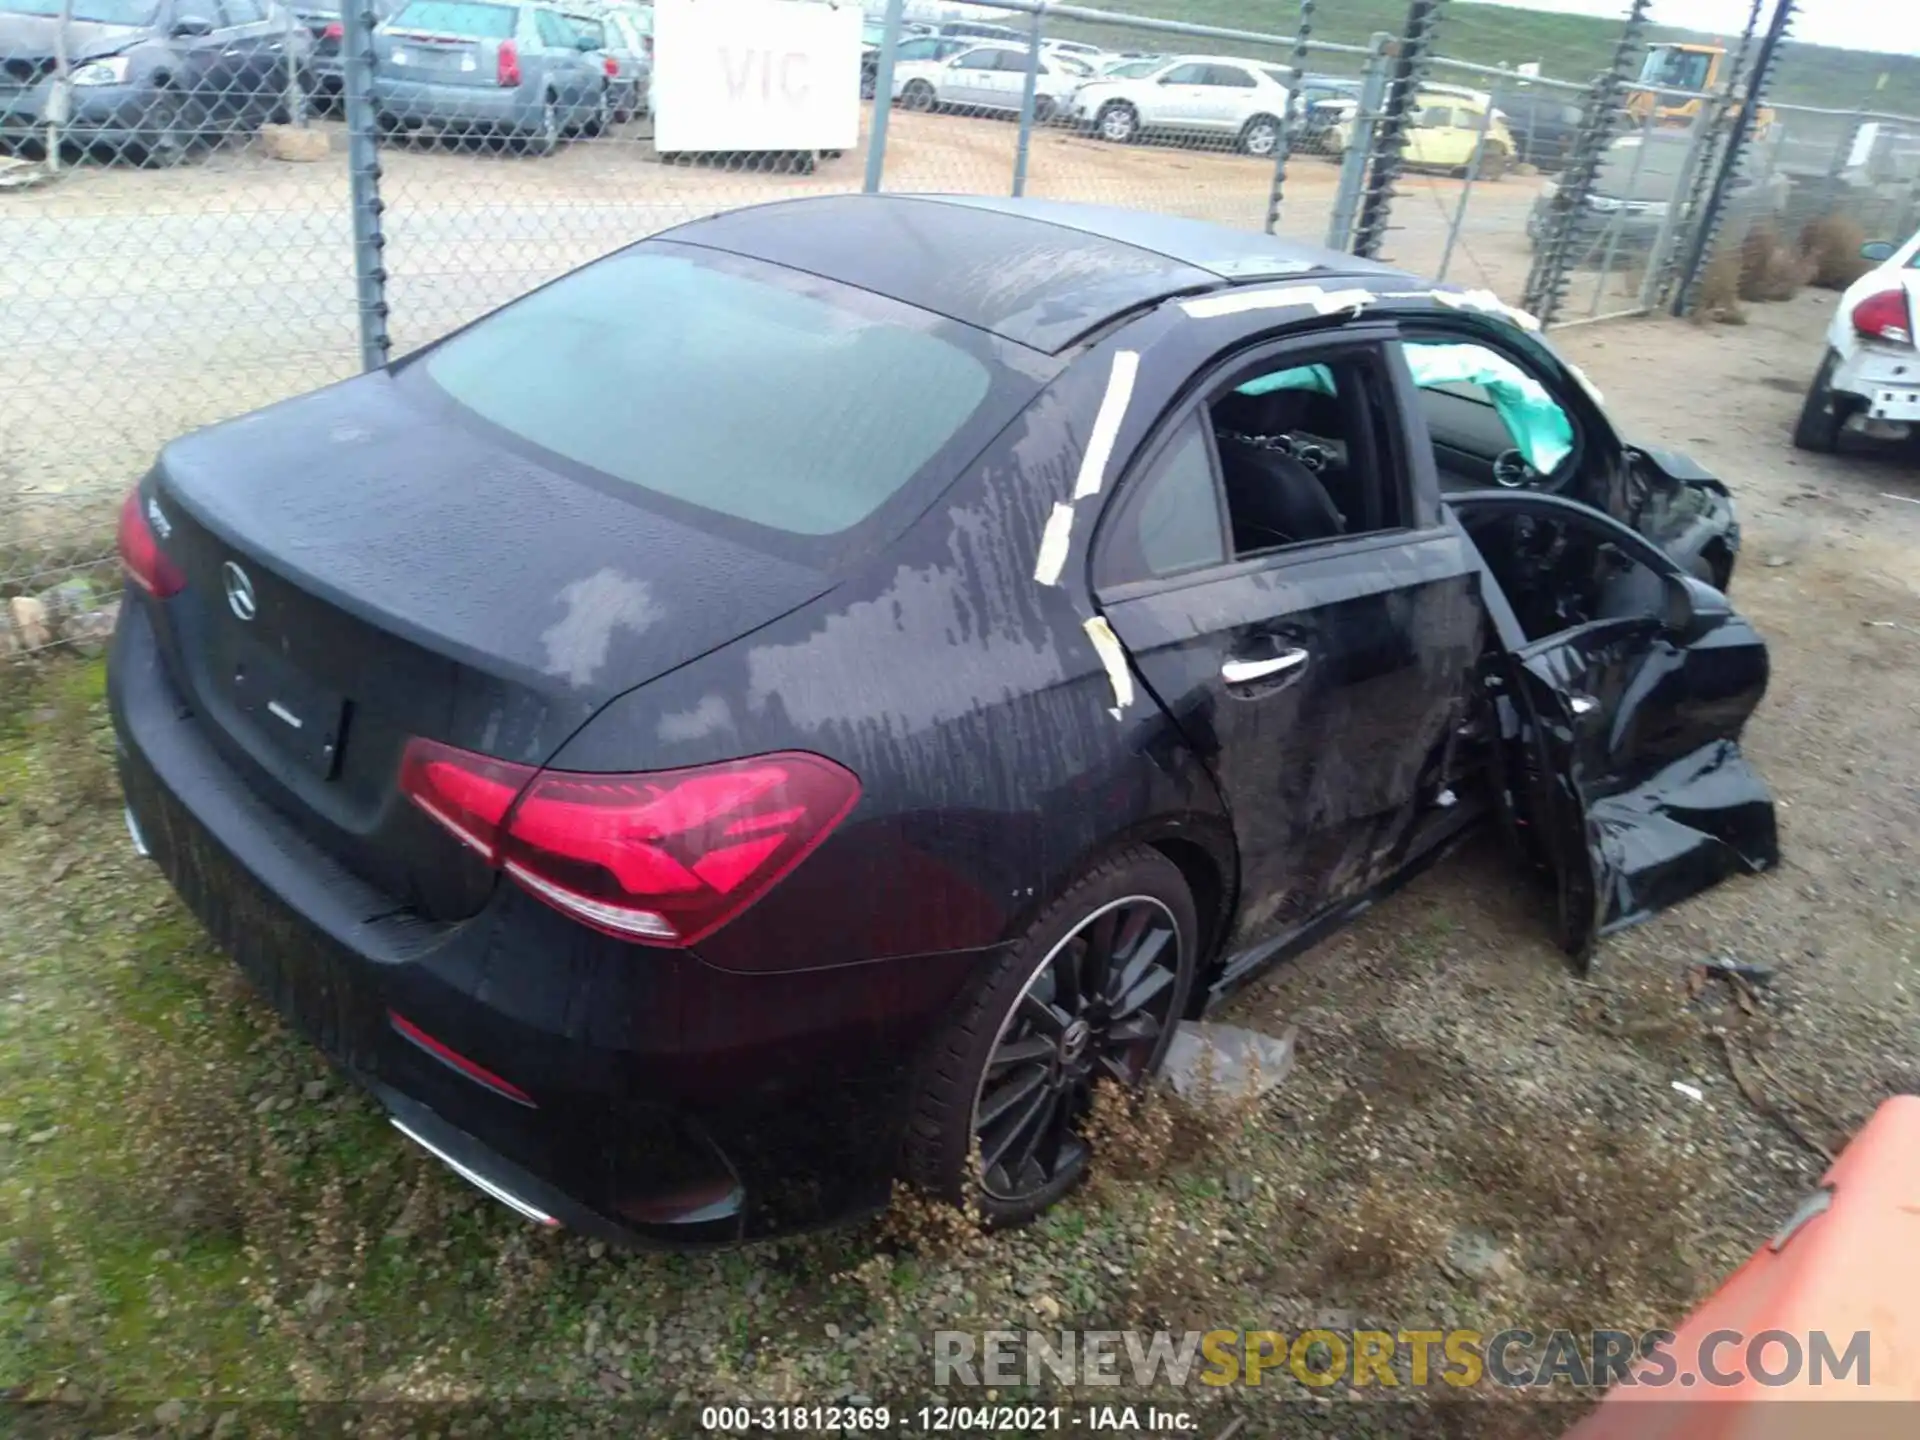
x=798 y=702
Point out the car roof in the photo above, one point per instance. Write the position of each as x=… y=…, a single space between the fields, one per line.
x=1041 y=273
x=1225 y=60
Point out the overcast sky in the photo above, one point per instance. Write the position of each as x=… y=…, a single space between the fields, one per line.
x=1891 y=25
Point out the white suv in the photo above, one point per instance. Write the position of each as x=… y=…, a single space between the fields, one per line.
x=987 y=77
x=1244 y=101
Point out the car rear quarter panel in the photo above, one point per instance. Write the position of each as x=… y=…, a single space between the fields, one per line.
x=996 y=753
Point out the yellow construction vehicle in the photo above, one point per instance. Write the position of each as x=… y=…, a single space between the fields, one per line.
x=1674 y=67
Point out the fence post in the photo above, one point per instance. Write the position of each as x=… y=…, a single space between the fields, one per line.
x=1029 y=85
x=295 y=102
x=1661 y=259
x=363 y=177
x=1473 y=174
x=1390 y=135
x=1707 y=225
x=60 y=93
x=1353 y=165
x=1547 y=281
x=1283 y=146
x=883 y=97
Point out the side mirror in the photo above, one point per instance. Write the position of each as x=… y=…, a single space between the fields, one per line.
x=1878 y=251
x=1692 y=608
x=191 y=27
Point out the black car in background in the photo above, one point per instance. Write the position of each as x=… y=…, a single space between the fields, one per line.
x=150 y=81
x=1544 y=126
x=323 y=22
x=799 y=701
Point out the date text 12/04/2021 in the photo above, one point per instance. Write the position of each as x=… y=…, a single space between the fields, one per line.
x=945 y=1419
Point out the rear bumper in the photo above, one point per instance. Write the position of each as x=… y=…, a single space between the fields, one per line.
x=428 y=102
x=662 y=1101
x=1886 y=382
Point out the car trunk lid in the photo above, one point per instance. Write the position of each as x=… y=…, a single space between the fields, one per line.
x=450 y=42
x=364 y=566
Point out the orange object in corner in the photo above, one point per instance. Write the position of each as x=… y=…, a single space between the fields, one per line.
x=1848 y=1261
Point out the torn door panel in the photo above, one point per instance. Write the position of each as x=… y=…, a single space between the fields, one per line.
x=1652 y=800
x=1619 y=762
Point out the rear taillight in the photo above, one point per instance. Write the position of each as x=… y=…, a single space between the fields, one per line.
x=335 y=31
x=507 y=64
x=612 y=66
x=468 y=794
x=1885 y=316
x=664 y=858
x=140 y=553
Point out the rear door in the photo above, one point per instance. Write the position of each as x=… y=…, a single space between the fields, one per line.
x=1621 y=687
x=254 y=52
x=1320 y=664
x=1228 y=101
x=1179 y=97
x=968 y=79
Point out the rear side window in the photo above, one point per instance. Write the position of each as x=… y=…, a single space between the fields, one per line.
x=748 y=390
x=1169 y=519
x=1230 y=76
x=458 y=17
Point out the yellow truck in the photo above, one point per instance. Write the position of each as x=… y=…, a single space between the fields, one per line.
x=1672 y=67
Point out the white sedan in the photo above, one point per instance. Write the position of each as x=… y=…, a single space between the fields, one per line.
x=1243 y=101
x=987 y=78
x=1870 y=378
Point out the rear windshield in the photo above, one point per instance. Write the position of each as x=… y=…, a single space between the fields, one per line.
x=458 y=17
x=745 y=389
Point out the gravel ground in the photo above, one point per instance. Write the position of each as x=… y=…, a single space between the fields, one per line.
x=197 y=1215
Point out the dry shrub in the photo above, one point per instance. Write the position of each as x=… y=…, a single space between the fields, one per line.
x=1362 y=1250
x=1600 y=1213
x=1717 y=299
x=1770 y=269
x=1174 y=1279
x=930 y=1225
x=1831 y=245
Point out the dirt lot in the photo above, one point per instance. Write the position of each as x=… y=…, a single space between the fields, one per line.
x=1474 y=1135
x=137 y=304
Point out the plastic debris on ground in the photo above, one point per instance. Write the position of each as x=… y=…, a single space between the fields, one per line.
x=1226 y=1062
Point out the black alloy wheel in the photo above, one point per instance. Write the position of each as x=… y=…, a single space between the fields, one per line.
x=1095 y=1009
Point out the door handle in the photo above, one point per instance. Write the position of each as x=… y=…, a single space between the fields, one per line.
x=1241 y=672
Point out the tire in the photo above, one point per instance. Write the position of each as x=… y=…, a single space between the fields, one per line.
x=1042 y=109
x=1117 y=122
x=918 y=95
x=1024 y=1045
x=168 y=135
x=1260 y=137
x=546 y=139
x=1822 y=416
x=1495 y=162
x=601 y=120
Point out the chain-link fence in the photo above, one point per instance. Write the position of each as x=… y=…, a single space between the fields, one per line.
x=207 y=205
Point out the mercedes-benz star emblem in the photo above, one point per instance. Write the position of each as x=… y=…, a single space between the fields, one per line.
x=239 y=590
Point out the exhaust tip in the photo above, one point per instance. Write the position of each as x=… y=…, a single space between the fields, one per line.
x=506 y=1197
